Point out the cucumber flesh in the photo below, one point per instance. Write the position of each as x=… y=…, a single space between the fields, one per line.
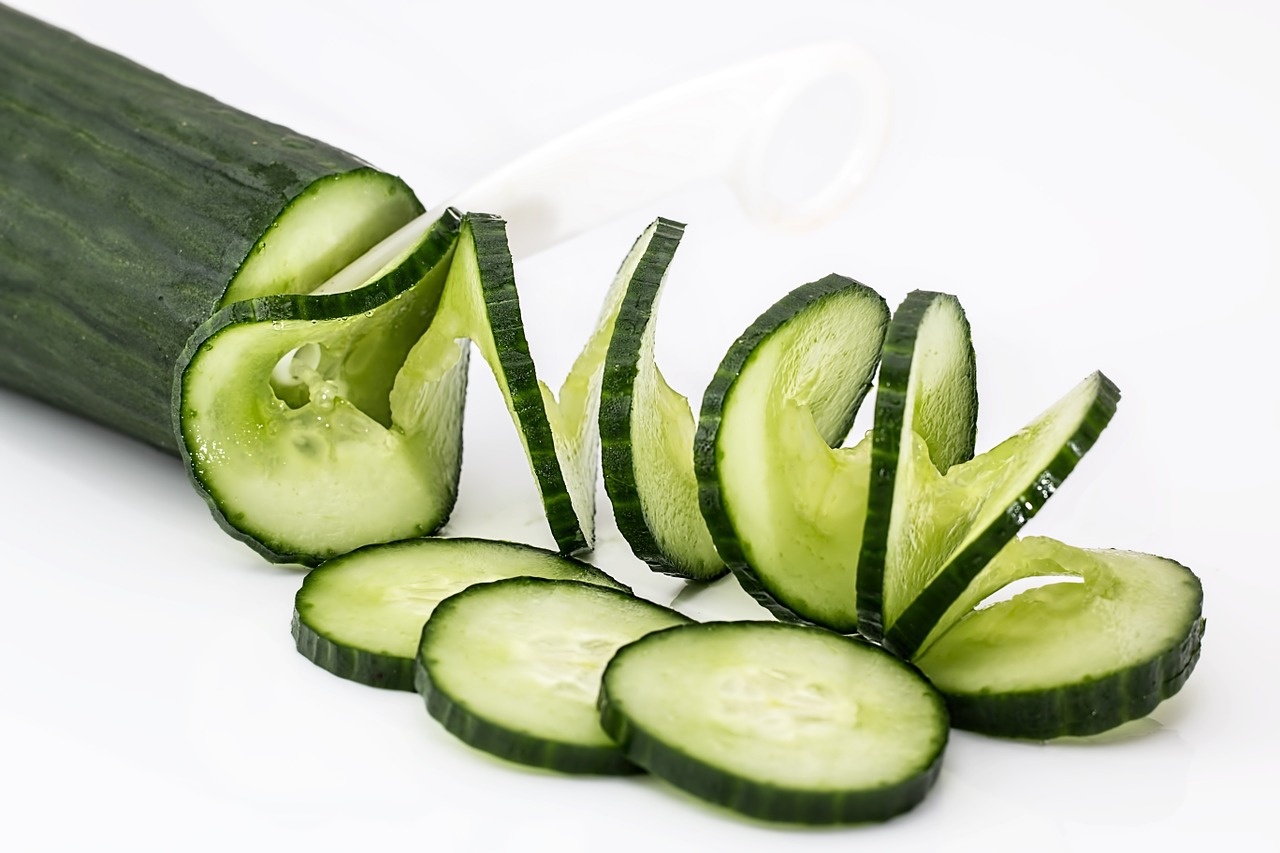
x=779 y=722
x=360 y=616
x=513 y=668
x=647 y=429
x=328 y=226
x=946 y=528
x=1070 y=658
x=928 y=388
x=784 y=505
x=306 y=421
x=480 y=304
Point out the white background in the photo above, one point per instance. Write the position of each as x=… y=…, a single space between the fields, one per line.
x=1100 y=186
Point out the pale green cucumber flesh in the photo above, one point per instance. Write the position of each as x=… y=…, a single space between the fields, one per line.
x=647 y=429
x=946 y=528
x=480 y=304
x=779 y=722
x=928 y=388
x=1070 y=658
x=330 y=224
x=360 y=616
x=784 y=507
x=513 y=668
x=341 y=444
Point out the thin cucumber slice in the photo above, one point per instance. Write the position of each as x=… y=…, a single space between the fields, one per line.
x=776 y=721
x=306 y=422
x=928 y=387
x=646 y=428
x=480 y=305
x=946 y=528
x=513 y=668
x=784 y=505
x=360 y=616
x=1070 y=658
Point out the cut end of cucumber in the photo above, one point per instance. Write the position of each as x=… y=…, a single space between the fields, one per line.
x=329 y=225
x=292 y=425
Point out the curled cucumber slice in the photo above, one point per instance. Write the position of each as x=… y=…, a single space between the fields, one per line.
x=1069 y=658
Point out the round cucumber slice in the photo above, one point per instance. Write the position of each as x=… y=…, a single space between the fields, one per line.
x=777 y=721
x=360 y=616
x=1070 y=658
x=513 y=668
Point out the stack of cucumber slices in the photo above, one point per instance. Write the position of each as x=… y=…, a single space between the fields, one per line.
x=301 y=332
x=885 y=561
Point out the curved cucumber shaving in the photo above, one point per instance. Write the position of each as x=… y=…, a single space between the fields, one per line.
x=779 y=722
x=946 y=528
x=935 y=396
x=513 y=668
x=784 y=505
x=306 y=420
x=480 y=304
x=646 y=428
x=360 y=616
x=1070 y=658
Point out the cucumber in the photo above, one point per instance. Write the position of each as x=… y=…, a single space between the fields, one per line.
x=946 y=529
x=130 y=203
x=513 y=668
x=778 y=722
x=784 y=504
x=646 y=428
x=934 y=396
x=480 y=305
x=360 y=616
x=307 y=422
x=1069 y=658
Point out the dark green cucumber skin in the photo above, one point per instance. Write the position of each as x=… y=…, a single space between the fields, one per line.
x=912 y=628
x=1081 y=709
x=388 y=671
x=755 y=799
x=891 y=401
x=711 y=499
x=128 y=203
x=500 y=741
x=478 y=732
x=437 y=244
x=616 y=399
x=502 y=303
